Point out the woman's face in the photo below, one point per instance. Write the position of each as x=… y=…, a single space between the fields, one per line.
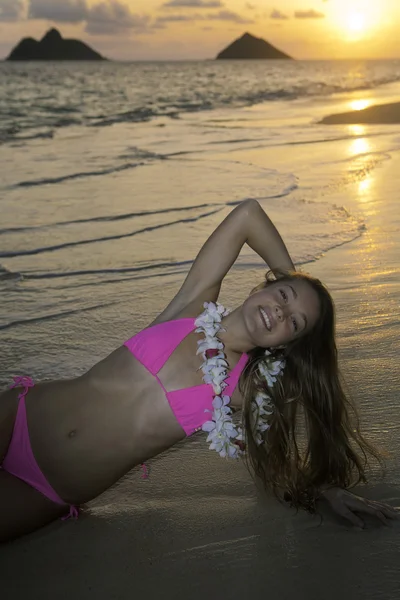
x=281 y=312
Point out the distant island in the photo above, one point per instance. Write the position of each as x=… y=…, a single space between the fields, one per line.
x=53 y=47
x=250 y=47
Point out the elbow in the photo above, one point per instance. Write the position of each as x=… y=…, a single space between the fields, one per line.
x=250 y=202
x=250 y=206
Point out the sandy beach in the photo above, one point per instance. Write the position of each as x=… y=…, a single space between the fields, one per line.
x=198 y=526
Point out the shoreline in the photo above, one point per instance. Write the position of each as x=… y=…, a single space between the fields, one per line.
x=378 y=114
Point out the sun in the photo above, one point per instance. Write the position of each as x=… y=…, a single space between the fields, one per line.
x=356 y=21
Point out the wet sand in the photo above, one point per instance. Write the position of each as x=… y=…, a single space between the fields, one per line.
x=373 y=115
x=198 y=526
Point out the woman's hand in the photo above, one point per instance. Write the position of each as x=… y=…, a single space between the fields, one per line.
x=346 y=504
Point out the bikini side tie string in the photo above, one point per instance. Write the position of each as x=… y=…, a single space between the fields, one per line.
x=25 y=382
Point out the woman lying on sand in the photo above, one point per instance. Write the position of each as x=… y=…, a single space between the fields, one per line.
x=189 y=371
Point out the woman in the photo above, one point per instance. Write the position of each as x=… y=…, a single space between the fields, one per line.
x=65 y=442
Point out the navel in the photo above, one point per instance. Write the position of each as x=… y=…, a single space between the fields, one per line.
x=72 y=433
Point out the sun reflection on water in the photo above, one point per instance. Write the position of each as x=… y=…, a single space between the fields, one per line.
x=357 y=129
x=364 y=189
x=359 y=146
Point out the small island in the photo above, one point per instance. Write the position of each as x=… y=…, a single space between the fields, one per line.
x=250 y=47
x=53 y=47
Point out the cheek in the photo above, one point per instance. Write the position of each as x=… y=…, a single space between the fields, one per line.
x=285 y=333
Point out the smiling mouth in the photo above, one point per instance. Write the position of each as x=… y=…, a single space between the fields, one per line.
x=266 y=319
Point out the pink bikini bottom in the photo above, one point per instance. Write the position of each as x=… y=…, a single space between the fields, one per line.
x=20 y=461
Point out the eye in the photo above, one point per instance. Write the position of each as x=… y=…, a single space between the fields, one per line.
x=295 y=326
x=284 y=295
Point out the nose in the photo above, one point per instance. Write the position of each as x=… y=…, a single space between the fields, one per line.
x=279 y=313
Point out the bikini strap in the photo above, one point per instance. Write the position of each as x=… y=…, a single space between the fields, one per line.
x=73 y=513
x=235 y=374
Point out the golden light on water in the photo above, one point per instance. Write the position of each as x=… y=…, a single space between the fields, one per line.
x=358 y=143
x=363 y=187
x=359 y=146
x=357 y=129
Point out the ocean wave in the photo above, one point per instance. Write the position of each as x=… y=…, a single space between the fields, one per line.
x=52 y=316
x=106 y=238
x=79 y=175
x=117 y=271
x=108 y=218
x=130 y=96
x=359 y=167
x=84 y=283
x=7 y=275
x=40 y=135
x=142 y=157
x=145 y=114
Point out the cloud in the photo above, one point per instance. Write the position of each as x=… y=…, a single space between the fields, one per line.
x=179 y=18
x=67 y=11
x=228 y=15
x=12 y=10
x=308 y=14
x=107 y=17
x=113 y=17
x=277 y=14
x=222 y=15
x=193 y=4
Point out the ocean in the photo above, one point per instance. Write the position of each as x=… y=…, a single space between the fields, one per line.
x=114 y=174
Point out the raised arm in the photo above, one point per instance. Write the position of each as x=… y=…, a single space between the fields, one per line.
x=247 y=223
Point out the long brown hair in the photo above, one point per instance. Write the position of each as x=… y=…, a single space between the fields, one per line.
x=310 y=383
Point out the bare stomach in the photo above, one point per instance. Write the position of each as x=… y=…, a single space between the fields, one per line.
x=86 y=433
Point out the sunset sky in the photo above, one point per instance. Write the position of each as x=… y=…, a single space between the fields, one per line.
x=197 y=29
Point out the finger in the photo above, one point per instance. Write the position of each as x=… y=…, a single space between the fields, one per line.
x=383 y=518
x=371 y=508
x=388 y=511
x=350 y=516
x=378 y=505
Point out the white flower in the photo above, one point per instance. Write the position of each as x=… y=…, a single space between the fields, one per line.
x=270 y=369
x=263 y=427
x=216 y=376
x=225 y=438
x=262 y=404
x=208 y=343
x=215 y=310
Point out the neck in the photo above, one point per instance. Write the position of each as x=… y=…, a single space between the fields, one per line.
x=235 y=337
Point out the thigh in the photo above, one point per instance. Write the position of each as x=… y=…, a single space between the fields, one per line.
x=8 y=411
x=23 y=509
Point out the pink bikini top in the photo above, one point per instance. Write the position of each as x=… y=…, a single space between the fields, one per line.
x=153 y=346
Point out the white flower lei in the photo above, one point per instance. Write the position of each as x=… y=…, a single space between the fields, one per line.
x=227 y=439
